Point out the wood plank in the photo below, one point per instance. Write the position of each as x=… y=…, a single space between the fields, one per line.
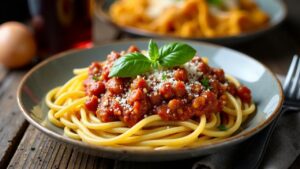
x=12 y=123
x=37 y=150
x=3 y=73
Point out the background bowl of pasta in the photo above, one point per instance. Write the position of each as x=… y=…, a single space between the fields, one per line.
x=223 y=22
x=266 y=92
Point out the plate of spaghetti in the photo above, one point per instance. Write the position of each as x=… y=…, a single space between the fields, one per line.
x=150 y=101
x=219 y=21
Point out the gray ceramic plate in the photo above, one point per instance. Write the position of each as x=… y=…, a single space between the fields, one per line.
x=267 y=94
x=275 y=8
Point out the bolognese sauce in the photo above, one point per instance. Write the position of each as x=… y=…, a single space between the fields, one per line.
x=175 y=94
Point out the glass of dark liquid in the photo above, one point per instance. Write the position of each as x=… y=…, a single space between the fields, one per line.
x=60 y=24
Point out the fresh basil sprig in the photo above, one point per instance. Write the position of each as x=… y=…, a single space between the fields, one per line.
x=170 y=55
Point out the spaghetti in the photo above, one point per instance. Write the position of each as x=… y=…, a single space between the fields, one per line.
x=190 y=18
x=156 y=125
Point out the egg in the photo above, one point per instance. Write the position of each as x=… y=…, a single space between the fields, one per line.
x=17 y=45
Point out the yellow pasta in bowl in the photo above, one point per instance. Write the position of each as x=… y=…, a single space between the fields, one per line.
x=225 y=22
x=190 y=18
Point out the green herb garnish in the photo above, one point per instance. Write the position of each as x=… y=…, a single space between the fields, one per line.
x=130 y=65
x=170 y=55
x=222 y=127
x=205 y=83
x=95 y=78
x=164 y=76
x=215 y=2
x=153 y=50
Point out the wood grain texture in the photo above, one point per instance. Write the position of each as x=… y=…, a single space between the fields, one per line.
x=12 y=123
x=3 y=73
x=37 y=150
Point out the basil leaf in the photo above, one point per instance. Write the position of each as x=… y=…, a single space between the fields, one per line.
x=175 y=54
x=153 y=50
x=215 y=2
x=130 y=65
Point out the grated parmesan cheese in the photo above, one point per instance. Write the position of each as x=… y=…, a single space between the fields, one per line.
x=157 y=78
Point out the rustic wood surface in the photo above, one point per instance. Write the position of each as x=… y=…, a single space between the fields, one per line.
x=23 y=146
x=12 y=123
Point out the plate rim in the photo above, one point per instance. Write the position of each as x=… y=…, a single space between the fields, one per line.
x=108 y=149
x=103 y=16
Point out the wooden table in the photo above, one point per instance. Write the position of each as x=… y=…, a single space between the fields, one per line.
x=23 y=146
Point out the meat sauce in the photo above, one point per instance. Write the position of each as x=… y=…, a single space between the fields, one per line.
x=180 y=93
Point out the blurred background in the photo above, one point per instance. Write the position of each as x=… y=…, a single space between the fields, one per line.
x=76 y=26
x=46 y=26
x=14 y=10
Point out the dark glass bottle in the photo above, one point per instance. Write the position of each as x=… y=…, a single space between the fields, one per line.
x=60 y=24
